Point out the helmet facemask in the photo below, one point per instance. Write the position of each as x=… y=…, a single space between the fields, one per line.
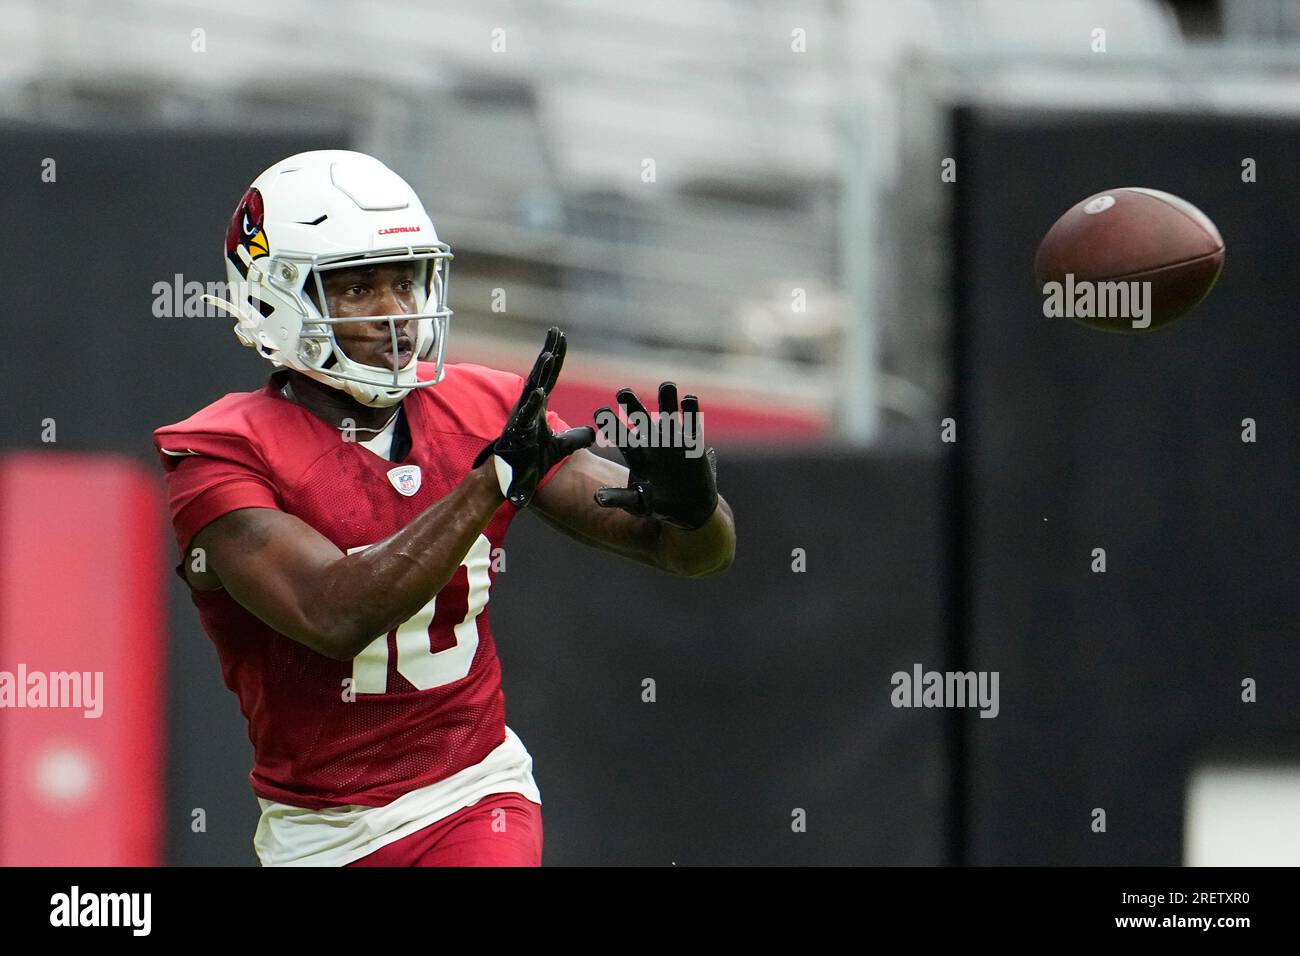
x=297 y=282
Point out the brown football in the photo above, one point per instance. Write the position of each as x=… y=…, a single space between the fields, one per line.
x=1128 y=260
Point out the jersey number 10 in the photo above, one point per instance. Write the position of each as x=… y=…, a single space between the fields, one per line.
x=424 y=667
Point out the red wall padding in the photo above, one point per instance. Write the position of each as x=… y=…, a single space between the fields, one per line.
x=81 y=589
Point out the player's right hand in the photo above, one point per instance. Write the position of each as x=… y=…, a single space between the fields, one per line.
x=527 y=448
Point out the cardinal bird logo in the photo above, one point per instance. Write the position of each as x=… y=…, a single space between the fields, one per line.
x=246 y=230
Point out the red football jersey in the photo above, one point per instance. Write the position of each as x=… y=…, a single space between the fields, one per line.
x=427 y=695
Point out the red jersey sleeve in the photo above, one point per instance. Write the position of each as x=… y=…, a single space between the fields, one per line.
x=208 y=476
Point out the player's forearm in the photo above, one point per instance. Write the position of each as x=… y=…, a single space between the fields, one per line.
x=698 y=553
x=372 y=591
x=690 y=554
x=704 y=551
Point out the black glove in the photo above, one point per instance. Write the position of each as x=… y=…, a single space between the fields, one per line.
x=664 y=483
x=527 y=449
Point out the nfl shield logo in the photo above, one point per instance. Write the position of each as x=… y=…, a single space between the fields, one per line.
x=406 y=479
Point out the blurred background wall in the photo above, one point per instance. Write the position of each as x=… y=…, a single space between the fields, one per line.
x=747 y=199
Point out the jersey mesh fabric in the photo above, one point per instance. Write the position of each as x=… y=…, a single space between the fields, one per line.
x=315 y=748
x=384 y=746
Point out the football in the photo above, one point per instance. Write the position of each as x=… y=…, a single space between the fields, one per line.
x=1128 y=260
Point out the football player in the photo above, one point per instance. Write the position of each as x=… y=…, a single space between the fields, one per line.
x=337 y=527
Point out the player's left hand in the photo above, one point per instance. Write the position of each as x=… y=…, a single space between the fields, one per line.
x=672 y=475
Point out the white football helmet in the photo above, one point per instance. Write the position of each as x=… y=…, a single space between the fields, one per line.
x=322 y=210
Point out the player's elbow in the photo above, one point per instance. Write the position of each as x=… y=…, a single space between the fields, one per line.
x=308 y=618
x=346 y=642
x=718 y=568
x=344 y=623
x=340 y=647
x=716 y=565
x=336 y=643
x=721 y=557
x=335 y=636
x=340 y=624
